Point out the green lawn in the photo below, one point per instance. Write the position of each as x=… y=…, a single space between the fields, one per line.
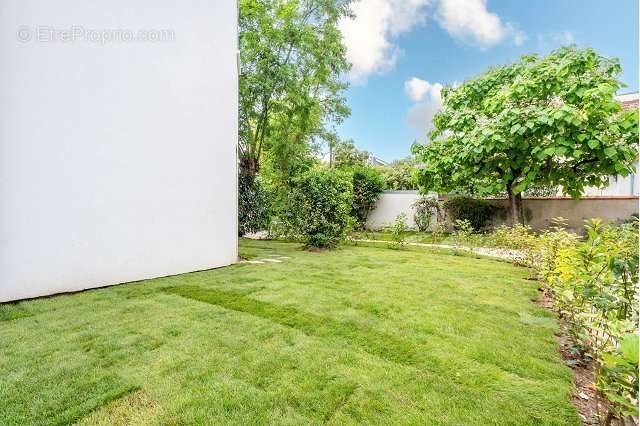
x=355 y=335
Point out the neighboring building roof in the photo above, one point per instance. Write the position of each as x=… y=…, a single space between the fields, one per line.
x=375 y=161
x=629 y=100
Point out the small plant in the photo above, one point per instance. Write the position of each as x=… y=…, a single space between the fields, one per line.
x=439 y=231
x=425 y=208
x=398 y=232
x=462 y=234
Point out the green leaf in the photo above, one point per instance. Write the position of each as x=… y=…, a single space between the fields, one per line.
x=593 y=143
x=515 y=128
x=521 y=186
x=582 y=137
x=549 y=151
x=629 y=348
x=610 y=152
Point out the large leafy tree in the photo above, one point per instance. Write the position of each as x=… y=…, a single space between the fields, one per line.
x=540 y=121
x=291 y=62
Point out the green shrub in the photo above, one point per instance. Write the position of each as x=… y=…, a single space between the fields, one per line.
x=463 y=234
x=318 y=207
x=398 y=232
x=368 y=184
x=425 y=208
x=594 y=288
x=254 y=205
x=479 y=213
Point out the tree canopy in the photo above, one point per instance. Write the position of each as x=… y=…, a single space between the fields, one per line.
x=399 y=174
x=345 y=155
x=291 y=61
x=540 y=121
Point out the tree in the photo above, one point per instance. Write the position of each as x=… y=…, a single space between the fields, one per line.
x=345 y=155
x=368 y=184
x=550 y=121
x=291 y=62
x=399 y=174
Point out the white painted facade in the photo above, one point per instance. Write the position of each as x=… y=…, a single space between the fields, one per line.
x=619 y=186
x=117 y=156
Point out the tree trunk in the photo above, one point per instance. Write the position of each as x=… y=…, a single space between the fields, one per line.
x=515 y=207
x=249 y=166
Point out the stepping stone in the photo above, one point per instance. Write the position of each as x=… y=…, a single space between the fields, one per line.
x=254 y=262
x=271 y=260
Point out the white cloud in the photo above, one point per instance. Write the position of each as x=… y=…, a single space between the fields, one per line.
x=370 y=36
x=553 y=40
x=417 y=89
x=429 y=101
x=519 y=38
x=564 y=38
x=469 y=20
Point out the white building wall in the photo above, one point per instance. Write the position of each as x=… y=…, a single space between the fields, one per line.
x=117 y=158
x=619 y=186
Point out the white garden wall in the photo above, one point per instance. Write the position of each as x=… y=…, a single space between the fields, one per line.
x=539 y=212
x=117 y=156
x=390 y=205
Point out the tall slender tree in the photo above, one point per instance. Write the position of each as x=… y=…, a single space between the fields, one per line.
x=291 y=62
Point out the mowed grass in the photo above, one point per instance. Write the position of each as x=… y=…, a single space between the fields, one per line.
x=359 y=335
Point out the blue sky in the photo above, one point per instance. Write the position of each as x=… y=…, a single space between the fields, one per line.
x=439 y=42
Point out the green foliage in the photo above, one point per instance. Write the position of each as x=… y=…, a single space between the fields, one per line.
x=398 y=232
x=253 y=204
x=318 y=207
x=400 y=175
x=550 y=121
x=518 y=237
x=463 y=234
x=479 y=213
x=291 y=91
x=345 y=155
x=619 y=376
x=426 y=208
x=594 y=287
x=368 y=184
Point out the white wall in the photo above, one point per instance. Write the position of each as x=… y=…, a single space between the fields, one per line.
x=390 y=205
x=117 y=160
x=619 y=186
